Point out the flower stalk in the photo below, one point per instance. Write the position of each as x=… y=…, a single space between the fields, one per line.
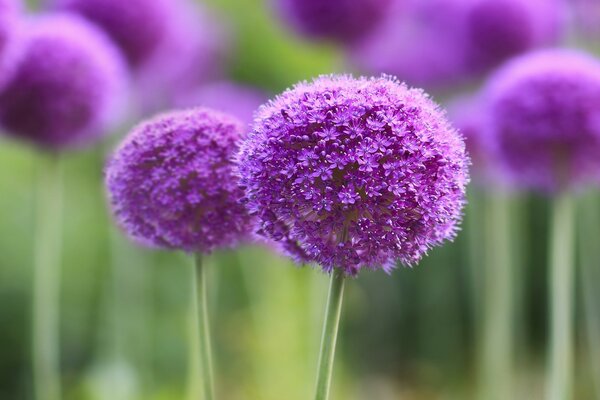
x=203 y=340
x=330 y=331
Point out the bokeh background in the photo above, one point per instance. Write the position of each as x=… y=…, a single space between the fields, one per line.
x=414 y=334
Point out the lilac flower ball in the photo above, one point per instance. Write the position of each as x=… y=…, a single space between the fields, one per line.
x=354 y=173
x=171 y=183
x=68 y=86
x=421 y=41
x=500 y=29
x=137 y=26
x=10 y=16
x=338 y=20
x=238 y=100
x=543 y=115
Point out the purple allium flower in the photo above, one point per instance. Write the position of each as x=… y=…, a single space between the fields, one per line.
x=238 y=100
x=543 y=115
x=68 y=85
x=441 y=43
x=192 y=53
x=171 y=183
x=10 y=17
x=339 y=20
x=137 y=26
x=500 y=29
x=354 y=173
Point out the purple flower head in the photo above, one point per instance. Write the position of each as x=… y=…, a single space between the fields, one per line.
x=137 y=26
x=543 y=115
x=193 y=52
x=171 y=184
x=238 y=100
x=10 y=17
x=339 y=20
x=442 y=43
x=68 y=84
x=500 y=29
x=421 y=41
x=387 y=185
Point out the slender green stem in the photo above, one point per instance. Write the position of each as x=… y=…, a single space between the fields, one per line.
x=330 y=332
x=46 y=282
x=497 y=308
x=203 y=340
x=561 y=288
x=590 y=276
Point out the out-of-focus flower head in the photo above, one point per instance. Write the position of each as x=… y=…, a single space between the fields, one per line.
x=339 y=20
x=193 y=52
x=233 y=98
x=354 y=173
x=543 y=116
x=171 y=184
x=10 y=22
x=68 y=85
x=442 y=43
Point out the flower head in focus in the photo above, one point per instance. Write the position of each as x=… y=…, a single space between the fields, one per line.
x=354 y=173
x=171 y=184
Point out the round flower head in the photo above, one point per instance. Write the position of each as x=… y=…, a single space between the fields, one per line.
x=171 y=183
x=137 y=26
x=68 y=83
x=241 y=101
x=421 y=41
x=543 y=115
x=192 y=53
x=353 y=173
x=339 y=20
x=9 y=24
x=500 y=29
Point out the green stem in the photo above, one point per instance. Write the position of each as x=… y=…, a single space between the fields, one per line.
x=590 y=275
x=330 y=331
x=204 y=332
x=497 y=308
x=561 y=288
x=46 y=282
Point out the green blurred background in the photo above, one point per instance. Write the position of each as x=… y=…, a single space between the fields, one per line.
x=125 y=311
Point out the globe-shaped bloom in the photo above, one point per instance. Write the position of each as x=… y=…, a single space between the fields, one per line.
x=171 y=184
x=441 y=43
x=338 y=20
x=193 y=52
x=137 y=26
x=353 y=173
x=543 y=116
x=68 y=86
x=500 y=29
x=10 y=16
x=236 y=99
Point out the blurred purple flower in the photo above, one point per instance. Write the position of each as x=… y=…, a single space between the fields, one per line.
x=388 y=186
x=238 y=100
x=171 y=184
x=137 y=26
x=544 y=117
x=68 y=86
x=10 y=23
x=193 y=52
x=441 y=43
x=339 y=20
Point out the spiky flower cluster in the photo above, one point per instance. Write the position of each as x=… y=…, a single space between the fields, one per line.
x=10 y=11
x=544 y=119
x=171 y=183
x=354 y=173
x=68 y=84
x=339 y=20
